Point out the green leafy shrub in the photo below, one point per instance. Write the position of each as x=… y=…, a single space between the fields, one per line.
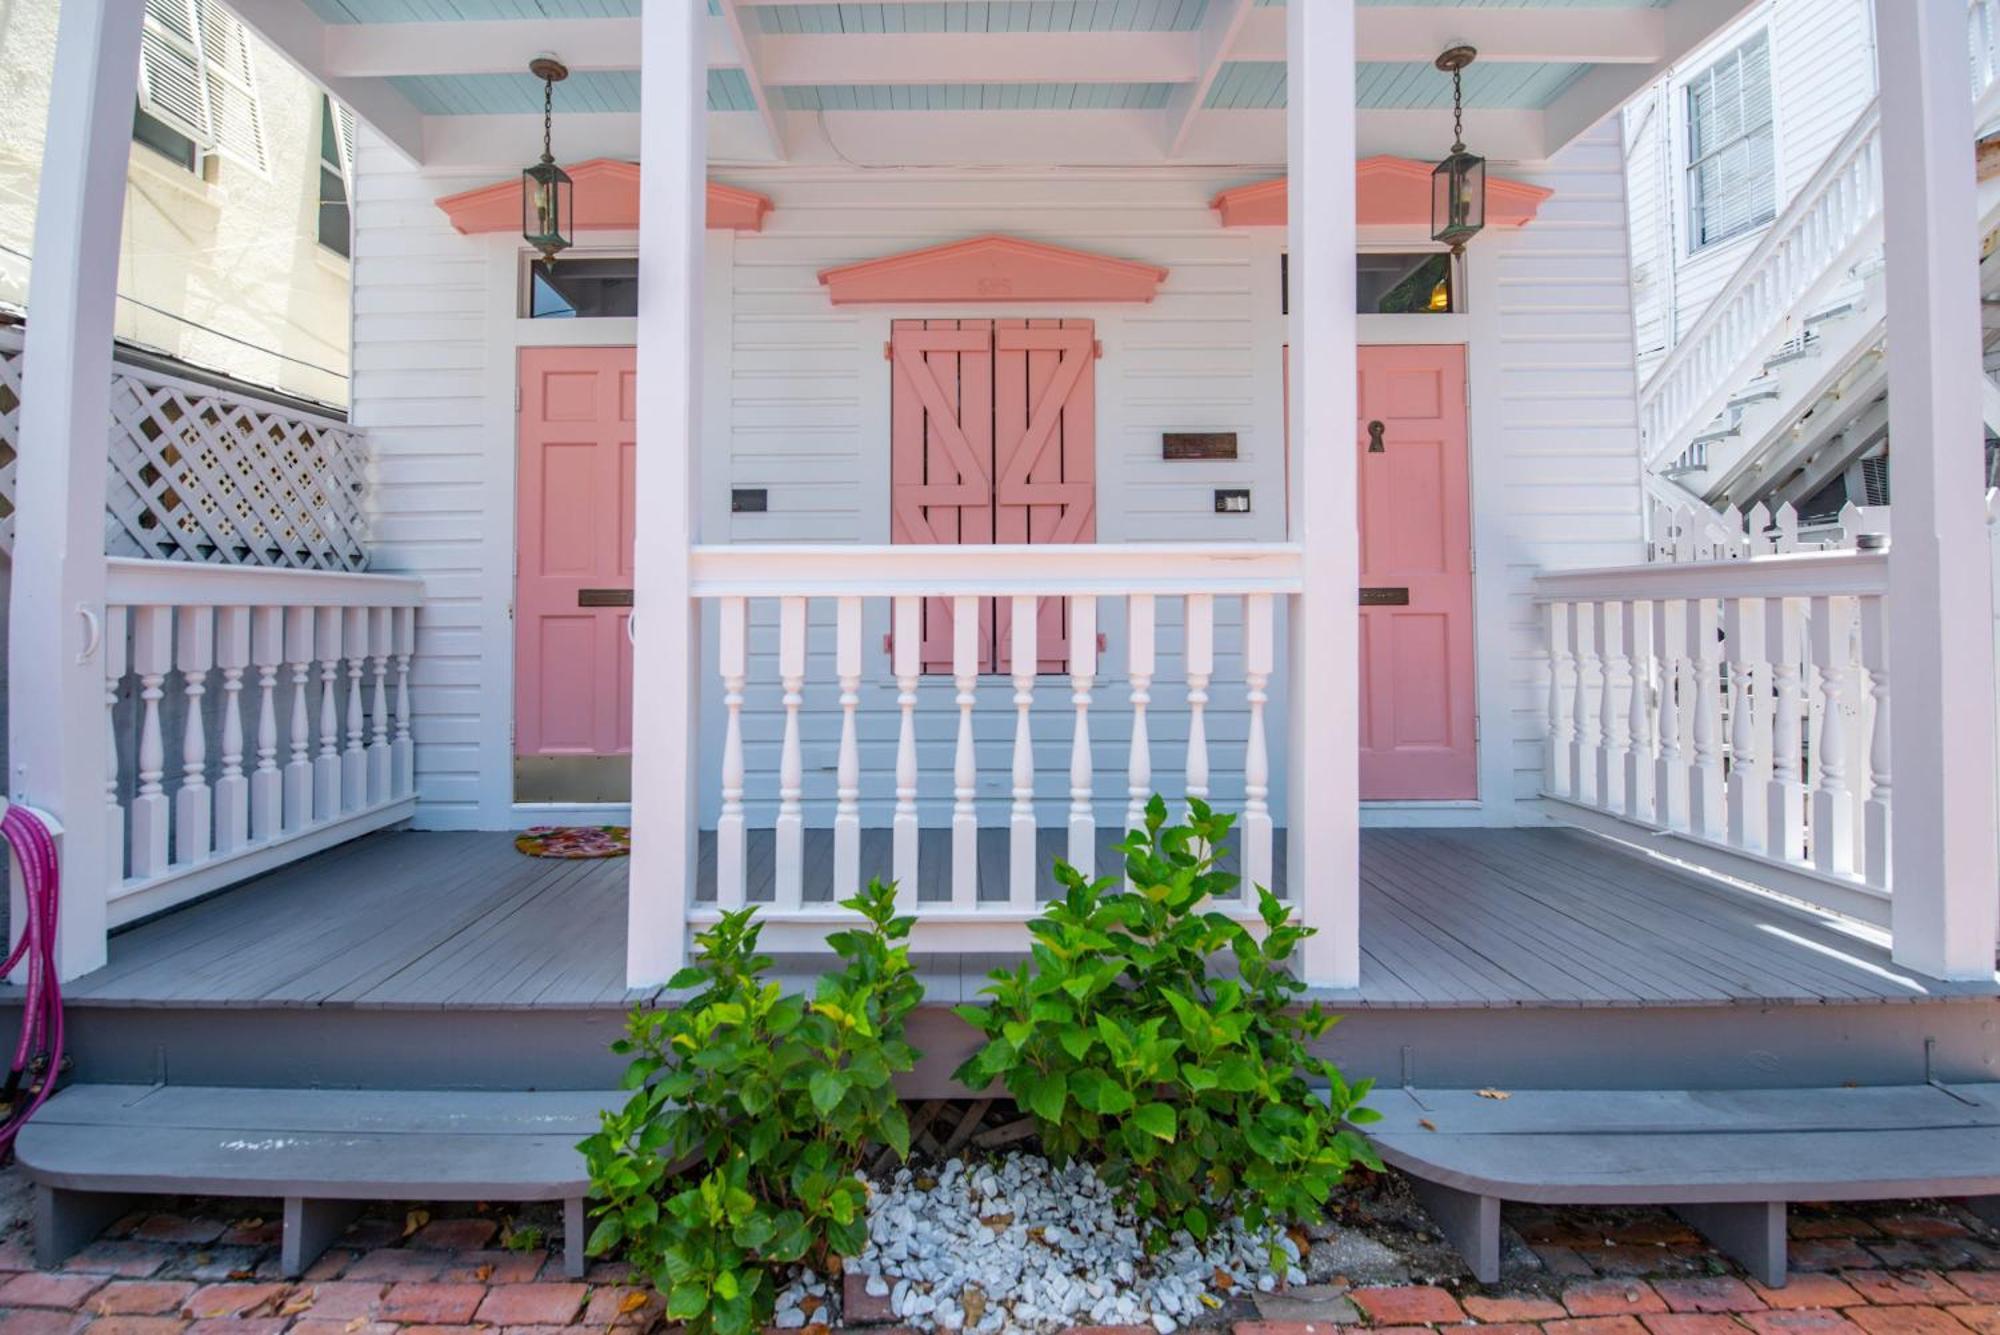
x=750 y=1113
x=1191 y=1088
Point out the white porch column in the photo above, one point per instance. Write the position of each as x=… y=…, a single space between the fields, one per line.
x=673 y=156
x=1323 y=796
x=1943 y=867
x=55 y=734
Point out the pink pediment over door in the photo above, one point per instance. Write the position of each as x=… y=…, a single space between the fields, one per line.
x=992 y=269
x=1388 y=191
x=607 y=200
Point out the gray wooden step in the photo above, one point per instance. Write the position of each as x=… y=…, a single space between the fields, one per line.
x=1727 y=1161
x=323 y=1152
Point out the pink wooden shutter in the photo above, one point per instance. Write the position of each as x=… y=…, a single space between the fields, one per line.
x=941 y=453
x=1044 y=453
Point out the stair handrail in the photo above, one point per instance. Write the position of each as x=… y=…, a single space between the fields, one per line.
x=1821 y=229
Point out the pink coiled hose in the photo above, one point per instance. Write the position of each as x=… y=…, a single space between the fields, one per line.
x=41 y=1038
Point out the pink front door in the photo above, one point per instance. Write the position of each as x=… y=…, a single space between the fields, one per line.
x=573 y=581
x=993 y=429
x=1417 y=704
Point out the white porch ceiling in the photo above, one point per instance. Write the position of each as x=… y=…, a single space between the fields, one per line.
x=963 y=81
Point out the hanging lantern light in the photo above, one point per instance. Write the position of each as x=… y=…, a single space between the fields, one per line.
x=548 y=213
x=1458 y=184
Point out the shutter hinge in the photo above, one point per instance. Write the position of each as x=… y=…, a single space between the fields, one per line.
x=517 y=396
x=1097 y=349
x=888 y=351
x=1475 y=727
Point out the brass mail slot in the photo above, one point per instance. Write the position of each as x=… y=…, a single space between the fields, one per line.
x=1385 y=597
x=604 y=597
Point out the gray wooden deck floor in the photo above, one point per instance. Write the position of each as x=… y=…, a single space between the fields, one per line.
x=1450 y=918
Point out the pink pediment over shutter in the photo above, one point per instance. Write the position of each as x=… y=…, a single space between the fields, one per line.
x=992 y=269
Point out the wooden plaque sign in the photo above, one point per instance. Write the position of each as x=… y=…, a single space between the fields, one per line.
x=1198 y=445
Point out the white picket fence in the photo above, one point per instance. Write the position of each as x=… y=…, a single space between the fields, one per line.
x=203 y=788
x=1738 y=704
x=1691 y=531
x=209 y=475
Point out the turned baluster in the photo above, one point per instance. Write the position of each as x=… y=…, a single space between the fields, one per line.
x=1875 y=840
x=300 y=625
x=267 y=783
x=1082 y=673
x=1832 y=829
x=194 y=804
x=847 y=765
x=1259 y=649
x=1614 y=716
x=1139 y=663
x=965 y=763
x=1023 y=650
x=1639 y=720
x=1559 y=744
x=789 y=863
x=354 y=760
x=905 y=834
x=402 y=747
x=1707 y=815
x=326 y=764
x=1745 y=793
x=380 y=768
x=152 y=659
x=731 y=860
x=1784 y=793
x=1670 y=775
x=1583 y=750
x=232 y=787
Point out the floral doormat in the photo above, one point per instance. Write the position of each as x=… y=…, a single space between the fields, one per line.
x=575 y=841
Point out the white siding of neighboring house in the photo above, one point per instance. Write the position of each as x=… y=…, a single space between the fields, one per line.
x=797 y=401
x=222 y=270
x=1822 y=77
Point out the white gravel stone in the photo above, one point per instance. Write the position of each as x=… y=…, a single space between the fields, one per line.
x=1044 y=1247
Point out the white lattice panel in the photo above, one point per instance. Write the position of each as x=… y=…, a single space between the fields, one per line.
x=210 y=475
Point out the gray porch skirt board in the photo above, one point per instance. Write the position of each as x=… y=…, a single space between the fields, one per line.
x=1727 y=1161
x=322 y=1152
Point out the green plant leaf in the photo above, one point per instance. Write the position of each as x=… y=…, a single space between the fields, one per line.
x=1155 y=1119
x=828 y=1088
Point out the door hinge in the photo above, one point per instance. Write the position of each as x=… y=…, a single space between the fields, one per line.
x=517 y=396
x=1475 y=727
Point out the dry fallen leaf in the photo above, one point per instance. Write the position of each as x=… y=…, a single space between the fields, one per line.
x=1427 y=1124
x=1494 y=1094
x=415 y=1220
x=482 y=1273
x=298 y=1302
x=1223 y=1279
x=637 y=1299
x=356 y=1324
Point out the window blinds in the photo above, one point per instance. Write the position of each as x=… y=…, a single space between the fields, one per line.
x=1732 y=172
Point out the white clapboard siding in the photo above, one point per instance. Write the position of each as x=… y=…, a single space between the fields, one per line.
x=420 y=389
x=1564 y=428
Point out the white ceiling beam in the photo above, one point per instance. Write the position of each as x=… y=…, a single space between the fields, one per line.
x=299 y=35
x=1601 y=91
x=497 y=46
x=1216 y=41
x=1589 y=36
x=980 y=57
x=754 y=60
x=1242 y=140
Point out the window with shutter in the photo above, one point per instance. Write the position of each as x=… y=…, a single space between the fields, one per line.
x=196 y=77
x=1732 y=170
x=335 y=154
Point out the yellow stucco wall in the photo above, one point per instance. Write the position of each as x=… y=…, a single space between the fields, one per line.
x=223 y=269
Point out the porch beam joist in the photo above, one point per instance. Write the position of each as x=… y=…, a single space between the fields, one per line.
x=1685 y=24
x=998 y=138
x=752 y=59
x=498 y=46
x=299 y=35
x=1221 y=31
x=1231 y=31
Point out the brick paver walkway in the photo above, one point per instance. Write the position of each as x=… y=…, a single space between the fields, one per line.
x=210 y=1268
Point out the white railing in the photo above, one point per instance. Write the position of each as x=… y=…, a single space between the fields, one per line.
x=217 y=476
x=1018 y=583
x=1828 y=225
x=1982 y=30
x=1691 y=531
x=1740 y=705
x=203 y=786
